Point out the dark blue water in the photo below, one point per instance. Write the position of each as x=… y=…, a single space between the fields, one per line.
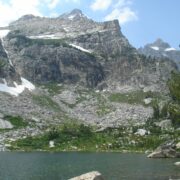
x=61 y=166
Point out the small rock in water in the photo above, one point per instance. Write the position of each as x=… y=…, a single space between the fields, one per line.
x=178 y=145
x=177 y=163
x=166 y=150
x=94 y=175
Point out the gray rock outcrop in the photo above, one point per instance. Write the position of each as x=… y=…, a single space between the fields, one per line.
x=178 y=145
x=165 y=124
x=166 y=150
x=94 y=175
x=5 y=124
x=177 y=163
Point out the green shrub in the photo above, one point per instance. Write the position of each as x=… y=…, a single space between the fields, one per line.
x=16 y=121
x=174 y=111
x=53 y=134
x=156 y=111
x=135 y=97
x=54 y=42
x=46 y=101
x=85 y=131
x=164 y=111
x=2 y=63
x=174 y=86
x=174 y=106
x=53 y=88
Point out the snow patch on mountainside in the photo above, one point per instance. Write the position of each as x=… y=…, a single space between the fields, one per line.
x=80 y=48
x=170 y=49
x=4 y=33
x=155 y=48
x=18 y=89
x=49 y=36
x=27 y=84
x=71 y=17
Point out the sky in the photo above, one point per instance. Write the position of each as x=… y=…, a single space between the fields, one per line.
x=141 y=21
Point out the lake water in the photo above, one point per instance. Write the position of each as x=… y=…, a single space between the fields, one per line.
x=61 y=166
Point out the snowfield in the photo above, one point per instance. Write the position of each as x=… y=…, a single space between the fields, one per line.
x=80 y=48
x=17 y=89
x=4 y=33
x=170 y=49
x=155 y=48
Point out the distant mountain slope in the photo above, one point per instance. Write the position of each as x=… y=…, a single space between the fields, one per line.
x=161 y=49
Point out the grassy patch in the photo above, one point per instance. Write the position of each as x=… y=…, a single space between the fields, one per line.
x=46 y=101
x=2 y=63
x=54 y=42
x=53 y=88
x=174 y=106
x=103 y=107
x=136 y=97
x=78 y=137
x=16 y=121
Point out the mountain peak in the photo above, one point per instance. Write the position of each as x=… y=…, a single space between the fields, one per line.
x=24 y=19
x=74 y=14
x=27 y=17
x=158 y=40
x=161 y=44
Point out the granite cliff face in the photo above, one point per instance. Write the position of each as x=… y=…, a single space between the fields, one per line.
x=7 y=71
x=43 y=61
x=75 y=49
x=161 y=49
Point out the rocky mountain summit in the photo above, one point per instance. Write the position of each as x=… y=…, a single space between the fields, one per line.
x=75 y=49
x=161 y=49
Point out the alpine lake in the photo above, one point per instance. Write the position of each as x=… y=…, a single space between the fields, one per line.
x=65 y=165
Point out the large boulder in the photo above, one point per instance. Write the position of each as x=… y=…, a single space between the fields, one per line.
x=5 y=124
x=166 y=150
x=177 y=163
x=178 y=145
x=94 y=175
x=165 y=124
x=141 y=132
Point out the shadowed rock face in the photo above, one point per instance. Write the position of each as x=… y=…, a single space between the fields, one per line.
x=45 y=61
x=7 y=71
x=40 y=50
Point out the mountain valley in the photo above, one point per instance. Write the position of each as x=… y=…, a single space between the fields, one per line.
x=71 y=69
